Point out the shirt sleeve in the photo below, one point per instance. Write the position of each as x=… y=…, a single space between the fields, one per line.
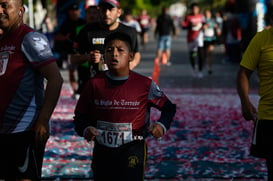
x=161 y=102
x=37 y=49
x=252 y=54
x=156 y=96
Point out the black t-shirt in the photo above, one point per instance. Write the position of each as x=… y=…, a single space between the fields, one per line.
x=165 y=25
x=92 y=37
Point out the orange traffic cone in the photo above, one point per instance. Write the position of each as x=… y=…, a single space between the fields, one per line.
x=156 y=71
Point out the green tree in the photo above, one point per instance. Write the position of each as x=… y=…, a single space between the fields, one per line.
x=153 y=6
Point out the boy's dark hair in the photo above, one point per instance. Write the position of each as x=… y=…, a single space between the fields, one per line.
x=119 y=36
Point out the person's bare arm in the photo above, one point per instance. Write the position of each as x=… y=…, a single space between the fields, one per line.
x=52 y=93
x=248 y=109
x=93 y=57
x=77 y=59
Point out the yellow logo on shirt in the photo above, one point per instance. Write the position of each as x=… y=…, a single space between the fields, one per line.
x=98 y=41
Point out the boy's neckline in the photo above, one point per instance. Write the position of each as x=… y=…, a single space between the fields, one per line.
x=114 y=77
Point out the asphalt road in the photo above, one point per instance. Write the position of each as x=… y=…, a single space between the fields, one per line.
x=179 y=74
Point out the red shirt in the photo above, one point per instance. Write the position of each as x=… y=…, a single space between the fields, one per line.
x=22 y=52
x=194 y=24
x=129 y=102
x=144 y=21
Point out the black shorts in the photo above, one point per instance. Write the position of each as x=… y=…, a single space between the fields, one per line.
x=124 y=163
x=262 y=144
x=17 y=157
x=144 y=30
x=208 y=43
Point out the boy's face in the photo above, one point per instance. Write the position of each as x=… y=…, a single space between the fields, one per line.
x=117 y=56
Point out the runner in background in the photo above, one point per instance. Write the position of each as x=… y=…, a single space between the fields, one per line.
x=129 y=20
x=164 y=31
x=193 y=23
x=144 y=20
x=210 y=29
x=64 y=39
x=83 y=70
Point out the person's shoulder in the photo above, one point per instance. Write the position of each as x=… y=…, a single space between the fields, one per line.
x=122 y=26
x=20 y=33
x=267 y=32
x=164 y=17
x=159 y=17
x=29 y=33
x=142 y=78
x=25 y=28
x=266 y=35
x=126 y=29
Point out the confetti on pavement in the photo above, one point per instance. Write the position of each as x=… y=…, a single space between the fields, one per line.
x=208 y=139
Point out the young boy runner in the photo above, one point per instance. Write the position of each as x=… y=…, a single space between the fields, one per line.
x=113 y=111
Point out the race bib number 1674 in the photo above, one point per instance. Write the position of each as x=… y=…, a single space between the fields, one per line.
x=114 y=134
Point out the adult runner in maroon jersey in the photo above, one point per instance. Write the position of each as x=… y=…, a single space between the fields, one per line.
x=25 y=106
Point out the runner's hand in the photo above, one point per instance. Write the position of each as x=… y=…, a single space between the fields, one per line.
x=41 y=132
x=156 y=130
x=95 y=56
x=249 y=111
x=90 y=133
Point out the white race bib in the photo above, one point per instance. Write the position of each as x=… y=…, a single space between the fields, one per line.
x=209 y=32
x=114 y=134
x=197 y=27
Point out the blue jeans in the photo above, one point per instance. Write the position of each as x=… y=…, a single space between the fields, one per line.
x=164 y=42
